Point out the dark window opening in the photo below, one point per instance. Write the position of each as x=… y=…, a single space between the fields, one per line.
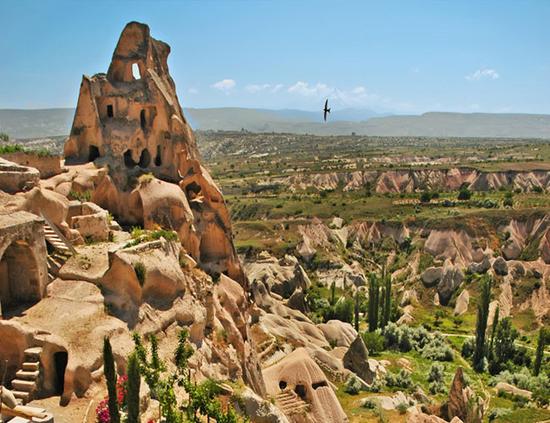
x=93 y=153
x=167 y=135
x=142 y=120
x=158 y=158
x=77 y=131
x=193 y=190
x=282 y=385
x=110 y=110
x=145 y=158
x=301 y=391
x=60 y=361
x=318 y=384
x=128 y=161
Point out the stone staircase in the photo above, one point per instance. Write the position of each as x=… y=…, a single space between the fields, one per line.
x=62 y=248
x=290 y=403
x=267 y=348
x=26 y=378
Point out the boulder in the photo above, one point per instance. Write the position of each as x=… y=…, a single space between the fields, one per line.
x=7 y=398
x=462 y=302
x=356 y=360
x=500 y=266
x=297 y=301
x=450 y=281
x=463 y=402
x=336 y=223
x=15 y=178
x=431 y=276
x=257 y=409
x=481 y=267
x=338 y=333
x=513 y=390
x=94 y=227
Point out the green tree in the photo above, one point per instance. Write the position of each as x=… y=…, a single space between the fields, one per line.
x=504 y=348
x=494 y=328
x=333 y=294
x=540 y=351
x=202 y=403
x=134 y=381
x=464 y=193
x=481 y=324
x=110 y=377
x=374 y=293
x=386 y=302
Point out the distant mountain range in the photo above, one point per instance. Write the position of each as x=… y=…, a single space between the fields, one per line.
x=49 y=122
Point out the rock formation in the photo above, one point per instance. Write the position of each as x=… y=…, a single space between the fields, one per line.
x=129 y=120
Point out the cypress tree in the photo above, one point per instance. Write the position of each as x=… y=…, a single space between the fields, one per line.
x=110 y=377
x=134 y=381
x=373 y=303
x=333 y=293
x=481 y=324
x=387 y=301
x=494 y=328
x=540 y=352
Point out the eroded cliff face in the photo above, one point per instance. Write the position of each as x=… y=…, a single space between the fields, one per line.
x=130 y=122
x=411 y=180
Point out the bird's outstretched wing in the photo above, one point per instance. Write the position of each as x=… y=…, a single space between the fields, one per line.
x=326 y=104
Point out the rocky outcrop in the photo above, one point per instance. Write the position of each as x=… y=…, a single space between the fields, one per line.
x=16 y=178
x=462 y=302
x=450 y=280
x=338 y=333
x=500 y=266
x=356 y=360
x=463 y=402
x=47 y=165
x=129 y=120
x=298 y=379
x=407 y=181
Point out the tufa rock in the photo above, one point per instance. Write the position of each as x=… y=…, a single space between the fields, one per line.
x=431 y=276
x=356 y=360
x=500 y=266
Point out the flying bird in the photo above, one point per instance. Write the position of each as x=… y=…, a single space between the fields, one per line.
x=326 y=110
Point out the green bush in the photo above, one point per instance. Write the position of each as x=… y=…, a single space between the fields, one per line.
x=374 y=342
x=4 y=137
x=468 y=348
x=402 y=380
x=140 y=270
x=353 y=385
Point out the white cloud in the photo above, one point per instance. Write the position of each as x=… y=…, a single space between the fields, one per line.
x=224 y=85
x=193 y=91
x=317 y=90
x=256 y=88
x=483 y=73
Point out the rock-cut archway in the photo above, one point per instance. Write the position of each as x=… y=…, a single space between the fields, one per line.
x=23 y=268
x=19 y=276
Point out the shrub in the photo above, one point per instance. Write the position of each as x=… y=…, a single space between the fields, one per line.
x=140 y=270
x=353 y=385
x=374 y=342
x=4 y=137
x=464 y=193
x=497 y=413
x=401 y=380
x=438 y=350
x=402 y=407
x=468 y=348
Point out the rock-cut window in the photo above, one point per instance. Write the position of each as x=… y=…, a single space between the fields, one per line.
x=110 y=110
x=135 y=71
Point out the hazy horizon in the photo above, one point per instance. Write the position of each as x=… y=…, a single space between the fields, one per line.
x=400 y=57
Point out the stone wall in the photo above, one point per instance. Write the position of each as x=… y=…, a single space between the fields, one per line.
x=15 y=178
x=48 y=166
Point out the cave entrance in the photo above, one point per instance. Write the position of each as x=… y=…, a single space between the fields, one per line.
x=60 y=360
x=19 y=278
x=142 y=119
x=93 y=153
x=145 y=158
x=128 y=160
x=110 y=112
x=301 y=391
x=158 y=157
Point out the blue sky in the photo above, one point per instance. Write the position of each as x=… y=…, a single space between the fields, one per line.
x=388 y=56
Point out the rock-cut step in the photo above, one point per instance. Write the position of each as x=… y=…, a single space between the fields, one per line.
x=27 y=375
x=30 y=366
x=33 y=353
x=23 y=385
